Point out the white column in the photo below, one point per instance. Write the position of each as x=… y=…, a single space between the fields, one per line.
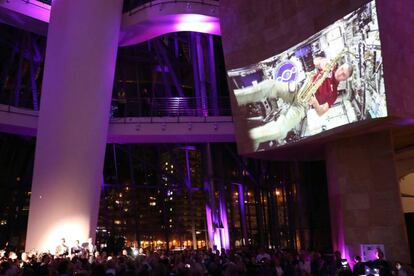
x=81 y=52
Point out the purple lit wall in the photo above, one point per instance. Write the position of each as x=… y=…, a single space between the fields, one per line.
x=224 y=232
x=361 y=193
x=217 y=224
x=217 y=240
x=210 y=228
x=337 y=224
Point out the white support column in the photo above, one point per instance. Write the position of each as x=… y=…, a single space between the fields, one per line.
x=73 y=123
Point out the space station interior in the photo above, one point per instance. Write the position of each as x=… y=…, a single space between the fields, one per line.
x=360 y=97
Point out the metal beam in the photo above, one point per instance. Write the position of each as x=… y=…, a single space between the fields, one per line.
x=5 y=72
x=212 y=76
x=202 y=75
x=162 y=67
x=259 y=208
x=164 y=55
x=242 y=165
x=33 y=67
x=190 y=196
x=194 y=59
x=19 y=72
x=242 y=210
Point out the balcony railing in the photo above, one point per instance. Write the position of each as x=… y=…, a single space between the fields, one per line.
x=139 y=107
x=170 y=106
x=48 y=2
x=130 y=5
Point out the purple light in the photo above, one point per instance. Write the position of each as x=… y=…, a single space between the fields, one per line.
x=143 y=30
x=225 y=238
x=142 y=26
x=195 y=23
x=338 y=238
x=405 y=122
x=218 y=235
x=210 y=229
x=217 y=241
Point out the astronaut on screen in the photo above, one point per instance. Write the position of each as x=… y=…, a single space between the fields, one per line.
x=319 y=91
x=307 y=89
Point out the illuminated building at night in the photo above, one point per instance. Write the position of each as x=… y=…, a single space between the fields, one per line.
x=206 y=124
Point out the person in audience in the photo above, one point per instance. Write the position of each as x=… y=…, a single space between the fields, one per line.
x=304 y=264
x=262 y=256
x=401 y=269
x=359 y=267
x=241 y=261
x=381 y=264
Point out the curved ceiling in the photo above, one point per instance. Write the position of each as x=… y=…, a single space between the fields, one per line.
x=161 y=17
x=141 y=24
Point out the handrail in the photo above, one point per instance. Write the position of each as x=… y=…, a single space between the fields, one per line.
x=35 y=3
x=138 y=5
x=147 y=107
x=170 y=106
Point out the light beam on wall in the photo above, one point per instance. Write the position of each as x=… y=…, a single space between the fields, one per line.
x=195 y=23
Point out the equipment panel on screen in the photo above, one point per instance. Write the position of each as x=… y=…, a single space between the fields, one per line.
x=331 y=79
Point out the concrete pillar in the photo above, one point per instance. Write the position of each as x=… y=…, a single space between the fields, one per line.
x=209 y=187
x=364 y=196
x=74 y=112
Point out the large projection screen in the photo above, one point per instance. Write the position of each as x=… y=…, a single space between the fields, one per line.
x=331 y=79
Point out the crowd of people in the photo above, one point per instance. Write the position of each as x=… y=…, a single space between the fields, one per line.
x=247 y=261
